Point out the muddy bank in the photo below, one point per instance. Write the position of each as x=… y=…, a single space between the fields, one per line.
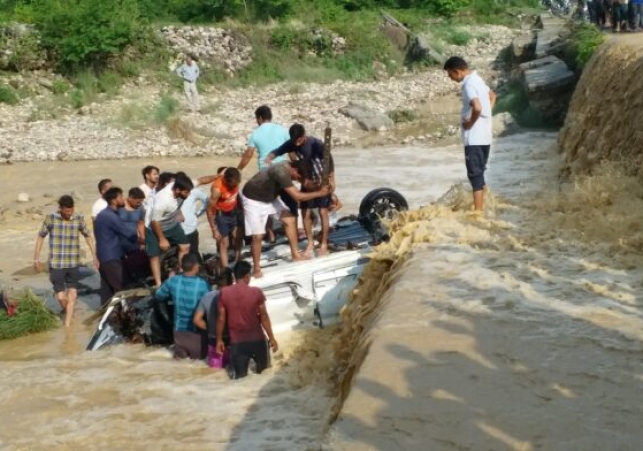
x=503 y=332
x=601 y=123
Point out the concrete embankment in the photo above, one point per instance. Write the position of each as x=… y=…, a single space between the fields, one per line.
x=521 y=330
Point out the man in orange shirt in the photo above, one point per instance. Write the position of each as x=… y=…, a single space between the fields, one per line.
x=223 y=213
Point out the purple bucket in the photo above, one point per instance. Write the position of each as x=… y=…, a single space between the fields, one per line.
x=216 y=360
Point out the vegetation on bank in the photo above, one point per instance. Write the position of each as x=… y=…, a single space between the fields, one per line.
x=26 y=314
x=582 y=42
x=98 y=44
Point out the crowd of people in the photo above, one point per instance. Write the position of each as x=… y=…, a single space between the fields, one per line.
x=619 y=15
x=132 y=230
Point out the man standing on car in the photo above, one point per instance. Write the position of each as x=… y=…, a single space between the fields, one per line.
x=244 y=309
x=185 y=290
x=63 y=228
x=165 y=228
x=477 y=105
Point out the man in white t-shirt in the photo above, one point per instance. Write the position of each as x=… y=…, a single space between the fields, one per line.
x=150 y=179
x=477 y=105
x=100 y=203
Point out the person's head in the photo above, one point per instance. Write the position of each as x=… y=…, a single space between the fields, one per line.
x=135 y=197
x=242 y=271
x=263 y=114
x=190 y=264
x=66 y=207
x=104 y=185
x=189 y=59
x=231 y=178
x=457 y=68
x=301 y=170
x=164 y=179
x=224 y=278
x=150 y=175
x=182 y=186
x=114 y=197
x=297 y=134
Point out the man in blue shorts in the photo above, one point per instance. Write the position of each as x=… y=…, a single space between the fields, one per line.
x=477 y=105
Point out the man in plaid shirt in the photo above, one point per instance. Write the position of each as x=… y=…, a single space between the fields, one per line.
x=63 y=228
x=185 y=290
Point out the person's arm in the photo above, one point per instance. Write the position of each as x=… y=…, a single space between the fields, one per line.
x=492 y=99
x=204 y=202
x=163 y=293
x=197 y=72
x=476 y=109
x=221 y=320
x=211 y=212
x=199 y=319
x=279 y=151
x=140 y=231
x=90 y=244
x=246 y=158
x=36 y=254
x=303 y=197
x=206 y=179
x=267 y=326
x=179 y=71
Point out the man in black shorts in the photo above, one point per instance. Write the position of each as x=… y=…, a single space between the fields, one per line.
x=64 y=229
x=244 y=309
x=311 y=151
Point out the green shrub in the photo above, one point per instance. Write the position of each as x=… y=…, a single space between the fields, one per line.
x=165 y=109
x=8 y=95
x=402 y=115
x=77 y=98
x=59 y=87
x=31 y=316
x=109 y=83
x=585 y=38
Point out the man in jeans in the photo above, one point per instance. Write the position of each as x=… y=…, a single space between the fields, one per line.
x=189 y=71
x=63 y=228
x=185 y=290
x=477 y=105
x=244 y=309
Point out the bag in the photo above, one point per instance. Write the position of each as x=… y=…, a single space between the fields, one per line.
x=216 y=360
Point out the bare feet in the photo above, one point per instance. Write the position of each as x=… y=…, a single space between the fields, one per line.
x=257 y=274
x=323 y=250
x=302 y=256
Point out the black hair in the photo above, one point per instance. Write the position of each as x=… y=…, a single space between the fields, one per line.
x=183 y=182
x=66 y=201
x=136 y=193
x=232 y=176
x=112 y=194
x=147 y=169
x=456 y=63
x=224 y=278
x=164 y=179
x=304 y=167
x=263 y=112
x=242 y=269
x=189 y=261
x=296 y=131
x=102 y=183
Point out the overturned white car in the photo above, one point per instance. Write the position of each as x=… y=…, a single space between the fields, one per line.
x=299 y=294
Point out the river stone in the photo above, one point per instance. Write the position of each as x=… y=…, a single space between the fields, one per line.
x=366 y=117
x=504 y=125
x=23 y=198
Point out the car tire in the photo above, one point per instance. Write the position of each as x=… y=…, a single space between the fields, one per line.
x=382 y=203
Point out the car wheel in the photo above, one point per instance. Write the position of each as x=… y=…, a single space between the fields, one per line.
x=382 y=203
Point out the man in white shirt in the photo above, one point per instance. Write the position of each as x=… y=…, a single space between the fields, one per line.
x=189 y=72
x=150 y=179
x=165 y=228
x=100 y=203
x=477 y=105
x=193 y=207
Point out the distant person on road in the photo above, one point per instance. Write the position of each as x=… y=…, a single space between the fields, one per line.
x=477 y=105
x=189 y=71
x=243 y=309
x=64 y=228
x=185 y=290
x=100 y=203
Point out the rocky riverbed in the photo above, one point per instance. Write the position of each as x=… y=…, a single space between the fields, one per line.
x=123 y=127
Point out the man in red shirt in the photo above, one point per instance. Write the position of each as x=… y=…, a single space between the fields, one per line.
x=244 y=309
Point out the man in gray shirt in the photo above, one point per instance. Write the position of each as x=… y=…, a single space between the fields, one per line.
x=189 y=71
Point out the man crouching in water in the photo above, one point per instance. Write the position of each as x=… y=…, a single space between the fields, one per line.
x=186 y=290
x=244 y=309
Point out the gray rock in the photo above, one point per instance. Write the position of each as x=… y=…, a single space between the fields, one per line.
x=523 y=47
x=547 y=74
x=421 y=50
x=46 y=83
x=62 y=156
x=366 y=117
x=504 y=125
x=23 y=197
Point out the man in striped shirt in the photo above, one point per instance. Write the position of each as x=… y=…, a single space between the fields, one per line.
x=185 y=291
x=64 y=228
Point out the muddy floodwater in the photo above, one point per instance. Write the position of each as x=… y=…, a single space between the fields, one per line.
x=502 y=332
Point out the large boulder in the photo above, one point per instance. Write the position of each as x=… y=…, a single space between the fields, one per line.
x=523 y=48
x=420 y=49
x=368 y=118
